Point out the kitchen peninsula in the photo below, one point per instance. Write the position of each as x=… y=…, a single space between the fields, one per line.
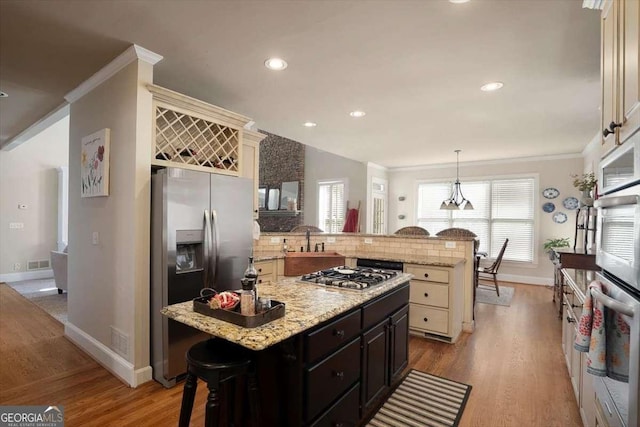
x=332 y=357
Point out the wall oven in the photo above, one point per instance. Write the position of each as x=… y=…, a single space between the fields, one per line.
x=618 y=254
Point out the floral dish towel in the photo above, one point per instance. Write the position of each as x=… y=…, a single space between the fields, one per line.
x=604 y=335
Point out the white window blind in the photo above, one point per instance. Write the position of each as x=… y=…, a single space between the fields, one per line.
x=331 y=206
x=503 y=208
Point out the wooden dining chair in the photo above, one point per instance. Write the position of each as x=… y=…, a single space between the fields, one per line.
x=491 y=272
x=304 y=228
x=456 y=232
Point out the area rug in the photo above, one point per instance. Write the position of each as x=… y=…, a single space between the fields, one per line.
x=44 y=294
x=423 y=400
x=488 y=295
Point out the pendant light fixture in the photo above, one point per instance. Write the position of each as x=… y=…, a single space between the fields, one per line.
x=456 y=200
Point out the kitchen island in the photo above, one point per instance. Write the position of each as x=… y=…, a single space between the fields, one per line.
x=331 y=358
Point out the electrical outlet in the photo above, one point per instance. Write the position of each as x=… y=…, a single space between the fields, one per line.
x=368 y=241
x=275 y=240
x=16 y=225
x=95 y=238
x=450 y=245
x=17 y=266
x=331 y=239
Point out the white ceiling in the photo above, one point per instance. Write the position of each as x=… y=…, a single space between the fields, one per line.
x=415 y=68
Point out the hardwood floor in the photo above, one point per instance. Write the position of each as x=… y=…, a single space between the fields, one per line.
x=513 y=361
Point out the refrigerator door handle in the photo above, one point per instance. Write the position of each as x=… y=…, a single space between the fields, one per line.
x=215 y=246
x=207 y=248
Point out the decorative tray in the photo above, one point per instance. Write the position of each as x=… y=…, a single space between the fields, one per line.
x=201 y=305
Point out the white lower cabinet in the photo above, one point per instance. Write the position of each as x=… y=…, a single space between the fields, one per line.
x=436 y=301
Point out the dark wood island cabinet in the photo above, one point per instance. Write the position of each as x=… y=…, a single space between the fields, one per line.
x=336 y=372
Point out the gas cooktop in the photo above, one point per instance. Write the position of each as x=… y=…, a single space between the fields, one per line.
x=350 y=277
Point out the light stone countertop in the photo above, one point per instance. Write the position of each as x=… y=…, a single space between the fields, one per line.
x=409 y=259
x=306 y=305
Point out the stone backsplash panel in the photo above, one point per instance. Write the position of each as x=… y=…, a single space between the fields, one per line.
x=281 y=160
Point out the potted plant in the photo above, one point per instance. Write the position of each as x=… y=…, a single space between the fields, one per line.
x=549 y=244
x=585 y=183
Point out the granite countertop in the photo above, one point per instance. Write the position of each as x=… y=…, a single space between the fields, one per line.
x=306 y=305
x=409 y=259
x=392 y=236
x=579 y=280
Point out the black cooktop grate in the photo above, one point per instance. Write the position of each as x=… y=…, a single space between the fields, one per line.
x=351 y=278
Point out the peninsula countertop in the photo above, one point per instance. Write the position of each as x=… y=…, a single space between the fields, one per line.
x=434 y=261
x=306 y=305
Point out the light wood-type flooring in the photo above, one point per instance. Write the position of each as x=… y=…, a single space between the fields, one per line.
x=513 y=361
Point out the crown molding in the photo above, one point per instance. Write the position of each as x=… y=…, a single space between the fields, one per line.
x=488 y=162
x=43 y=123
x=377 y=166
x=133 y=53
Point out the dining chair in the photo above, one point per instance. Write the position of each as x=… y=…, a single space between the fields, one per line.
x=412 y=231
x=456 y=232
x=491 y=272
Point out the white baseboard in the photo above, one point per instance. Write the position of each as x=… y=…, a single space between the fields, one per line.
x=26 y=275
x=108 y=358
x=529 y=280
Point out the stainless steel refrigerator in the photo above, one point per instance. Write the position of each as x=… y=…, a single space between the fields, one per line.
x=201 y=236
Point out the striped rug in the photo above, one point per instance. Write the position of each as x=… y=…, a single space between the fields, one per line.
x=423 y=400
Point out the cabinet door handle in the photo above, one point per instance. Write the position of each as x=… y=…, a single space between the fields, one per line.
x=426 y=319
x=426 y=274
x=338 y=374
x=338 y=333
x=426 y=294
x=612 y=129
x=571 y=319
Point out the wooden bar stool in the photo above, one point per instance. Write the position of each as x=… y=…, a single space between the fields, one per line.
x=216 y=361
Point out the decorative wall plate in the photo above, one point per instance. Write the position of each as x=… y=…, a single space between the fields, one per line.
x=559 y=217
x=550 y=193
x=548 y=207
x=571 y=203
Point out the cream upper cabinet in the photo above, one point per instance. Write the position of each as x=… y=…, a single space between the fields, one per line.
x=250 y=163
x=629 y=100
x=620 y=41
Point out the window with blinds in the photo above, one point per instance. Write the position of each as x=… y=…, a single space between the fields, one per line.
x=331 y=206
x=503 y=208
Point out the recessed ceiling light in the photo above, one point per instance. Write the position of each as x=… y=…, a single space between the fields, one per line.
x=276 y=64
x=4 y=95
x=458 y=1
x=357 y=113
x=491 y=86
x=310 y=124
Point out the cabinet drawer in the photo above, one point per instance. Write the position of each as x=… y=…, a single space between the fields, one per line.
x=265 y=278
x=345 y=412
x=264 y=267
x=429 y=294
x=377 y=310
x=428 y=273
x=428 y=319
x=331 y=336
x=331 y=377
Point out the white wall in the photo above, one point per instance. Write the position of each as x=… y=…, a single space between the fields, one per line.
x=552 y=172
x=109 y=282
x=28 y=176
x=320 y=165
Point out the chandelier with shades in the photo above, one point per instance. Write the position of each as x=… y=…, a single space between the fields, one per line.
x=456 y=200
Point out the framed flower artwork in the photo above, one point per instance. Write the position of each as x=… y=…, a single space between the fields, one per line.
x=94 y=167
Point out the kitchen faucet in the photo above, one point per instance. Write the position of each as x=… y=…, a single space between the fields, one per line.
x=308 y=241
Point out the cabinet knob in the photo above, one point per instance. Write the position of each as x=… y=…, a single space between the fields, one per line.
x=425 y=319
x=426 y=295
x=337 y=425
x=571 y=319
x=339 y=374
x=426 y=274
x=611 y=129
x=259 y=270
x=259 y=280
x=338 y=333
